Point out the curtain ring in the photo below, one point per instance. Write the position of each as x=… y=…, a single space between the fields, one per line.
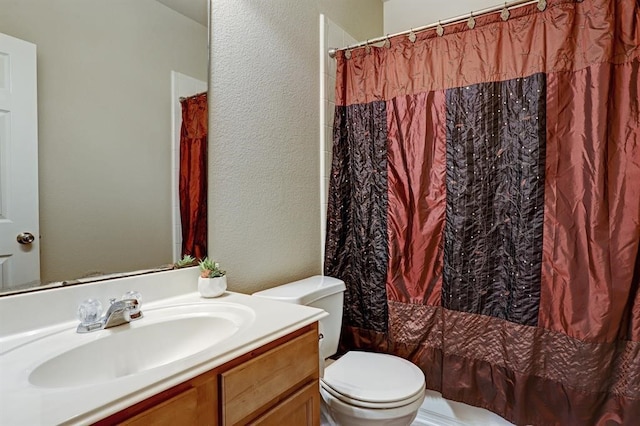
x=347 y=54
x=504 y=15
x=412 y=36
x=471 y=22
x=440 y=29
x=387 y=42
x=367 y=48
x=542 y=5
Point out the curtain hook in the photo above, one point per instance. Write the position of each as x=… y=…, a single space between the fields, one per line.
x=387 y=42
x=471 y=22
x=347 y=54
x=440 y=29
x=542 y=5
x=412 y=36
x=367 y=48
x=504 y=15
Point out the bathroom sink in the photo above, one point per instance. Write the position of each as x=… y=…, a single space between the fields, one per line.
x=163 y=336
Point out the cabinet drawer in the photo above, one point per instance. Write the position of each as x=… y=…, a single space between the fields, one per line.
x=181 y=409
x=194 y=405
x=261 y=383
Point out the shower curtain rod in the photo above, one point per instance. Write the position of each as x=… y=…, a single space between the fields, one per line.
x=542 y=4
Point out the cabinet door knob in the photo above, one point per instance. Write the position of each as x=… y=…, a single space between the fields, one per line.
x=25 y=238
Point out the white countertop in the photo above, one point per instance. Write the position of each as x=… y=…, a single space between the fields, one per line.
x=22 y=403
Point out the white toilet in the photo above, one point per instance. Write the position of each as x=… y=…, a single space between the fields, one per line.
x=360 y=388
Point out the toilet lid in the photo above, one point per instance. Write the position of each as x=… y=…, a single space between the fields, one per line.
x=374 y=378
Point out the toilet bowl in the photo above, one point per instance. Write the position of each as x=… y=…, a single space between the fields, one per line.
x=350 y=415
x=360 y=388
x=363 y=388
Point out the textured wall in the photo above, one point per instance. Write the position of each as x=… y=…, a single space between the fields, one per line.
x=264 y=165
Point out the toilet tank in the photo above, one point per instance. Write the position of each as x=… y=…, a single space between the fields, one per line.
x=319 y=291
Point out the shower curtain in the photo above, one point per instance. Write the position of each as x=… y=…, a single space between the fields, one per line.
x=193 y=175
x=484 y=209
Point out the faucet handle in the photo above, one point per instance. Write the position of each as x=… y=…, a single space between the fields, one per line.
x=133 y=294
x=134 y=313
x=89 y=311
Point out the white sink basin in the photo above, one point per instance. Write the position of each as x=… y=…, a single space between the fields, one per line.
x=161 y=337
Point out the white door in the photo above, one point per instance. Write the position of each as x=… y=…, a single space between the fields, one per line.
x=19 y=258
x=182 y=86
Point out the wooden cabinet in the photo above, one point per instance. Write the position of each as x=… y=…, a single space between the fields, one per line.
x=301 y=408
x=192 y=403
x=181 y=409
x=273 y=385
x=266 y=379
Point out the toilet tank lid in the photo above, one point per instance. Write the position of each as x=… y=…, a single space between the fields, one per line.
x=305 y=291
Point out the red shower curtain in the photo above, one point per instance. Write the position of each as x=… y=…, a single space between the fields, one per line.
x=484 y=209
x=193 y=175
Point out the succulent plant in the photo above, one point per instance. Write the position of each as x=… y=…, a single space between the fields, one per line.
x=210 y=269
x=186 y=261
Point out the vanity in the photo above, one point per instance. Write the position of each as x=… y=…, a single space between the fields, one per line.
x=235 y=359
x=276 y=382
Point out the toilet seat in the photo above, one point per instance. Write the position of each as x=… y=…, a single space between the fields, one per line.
x=374 y=405
x=347 y=414
x=374 y=380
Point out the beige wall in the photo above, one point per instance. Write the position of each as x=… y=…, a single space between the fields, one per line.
x=362 y=19
x=105 y=126
x=264 y=147
x=402 y=15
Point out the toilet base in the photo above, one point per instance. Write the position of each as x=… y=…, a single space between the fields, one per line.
x=338 y=413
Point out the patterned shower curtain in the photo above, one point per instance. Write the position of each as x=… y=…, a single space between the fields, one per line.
x=484 y=209
x=193 y=175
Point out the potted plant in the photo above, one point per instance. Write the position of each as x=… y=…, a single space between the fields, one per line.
x=213 y=280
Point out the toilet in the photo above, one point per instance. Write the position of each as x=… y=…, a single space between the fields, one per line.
x=360 y=388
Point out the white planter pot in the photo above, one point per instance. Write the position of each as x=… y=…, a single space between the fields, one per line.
x=212 y=287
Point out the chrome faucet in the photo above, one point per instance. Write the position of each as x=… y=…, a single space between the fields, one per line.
x=119 y=312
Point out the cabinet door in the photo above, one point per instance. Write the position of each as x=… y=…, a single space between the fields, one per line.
x=256 y=385
x=300 y=409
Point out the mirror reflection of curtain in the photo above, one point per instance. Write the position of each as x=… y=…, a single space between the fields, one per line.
x=193 y=175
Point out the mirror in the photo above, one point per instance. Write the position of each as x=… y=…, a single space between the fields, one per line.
x=105 y=127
